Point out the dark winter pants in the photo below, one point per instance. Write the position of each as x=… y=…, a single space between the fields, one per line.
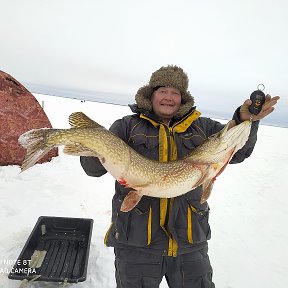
x=135 y=269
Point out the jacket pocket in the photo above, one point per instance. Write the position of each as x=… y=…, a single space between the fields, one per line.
x=188 y=144
x=132 y=228
x=192 y=141
x=198 y=228
x=146 y=146
x=196 y=272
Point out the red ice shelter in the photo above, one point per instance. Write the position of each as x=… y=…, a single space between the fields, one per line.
x=19 y=112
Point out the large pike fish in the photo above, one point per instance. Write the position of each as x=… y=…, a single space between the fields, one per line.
x=129 y=168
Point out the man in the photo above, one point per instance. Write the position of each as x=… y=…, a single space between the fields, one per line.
x=166 y=236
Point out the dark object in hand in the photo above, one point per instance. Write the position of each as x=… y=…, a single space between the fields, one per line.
x=258 y=99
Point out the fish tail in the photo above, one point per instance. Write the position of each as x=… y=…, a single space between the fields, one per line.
x=35 y=142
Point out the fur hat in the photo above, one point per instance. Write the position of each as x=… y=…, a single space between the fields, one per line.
x=169 y=76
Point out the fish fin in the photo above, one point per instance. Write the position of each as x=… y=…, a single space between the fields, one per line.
x=35 y=142
x=207 y=188
x=130 y=201
x=80 y=120
x=78 y=150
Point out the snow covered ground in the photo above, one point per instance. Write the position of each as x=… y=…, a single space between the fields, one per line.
x=248 y=207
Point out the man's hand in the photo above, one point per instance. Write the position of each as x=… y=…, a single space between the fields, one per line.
x=267 y=108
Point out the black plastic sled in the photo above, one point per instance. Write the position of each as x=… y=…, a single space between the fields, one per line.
x=57 y=250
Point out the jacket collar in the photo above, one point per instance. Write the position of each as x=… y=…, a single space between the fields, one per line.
x=177 y=124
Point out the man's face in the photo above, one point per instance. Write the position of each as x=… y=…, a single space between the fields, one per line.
x=166 y=102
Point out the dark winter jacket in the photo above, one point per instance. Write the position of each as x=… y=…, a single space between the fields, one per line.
x=163 y=226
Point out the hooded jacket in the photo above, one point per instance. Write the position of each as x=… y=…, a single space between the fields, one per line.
x=163 y=226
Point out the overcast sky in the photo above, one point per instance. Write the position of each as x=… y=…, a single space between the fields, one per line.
x=108 y=49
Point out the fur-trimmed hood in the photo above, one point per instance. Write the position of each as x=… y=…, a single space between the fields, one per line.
x=169 y=76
